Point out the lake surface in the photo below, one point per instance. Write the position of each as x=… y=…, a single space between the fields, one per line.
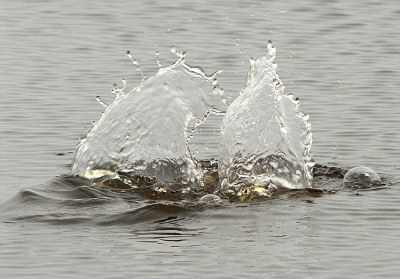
x=342 y=59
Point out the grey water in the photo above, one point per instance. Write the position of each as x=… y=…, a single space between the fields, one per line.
x=341 y=59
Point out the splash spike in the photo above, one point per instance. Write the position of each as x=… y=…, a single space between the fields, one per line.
x=101 y=102
x=271 y=50
x=158 y=60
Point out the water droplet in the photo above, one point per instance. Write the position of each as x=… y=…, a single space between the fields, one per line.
x=173 y=49
x=180 y=54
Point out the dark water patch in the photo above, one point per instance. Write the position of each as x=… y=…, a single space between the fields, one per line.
x=157 y=212
x=384 y=184
x=347 y=53
x=335 y=15
x=53 y=219
x=304 y=9
x=346 y=26
x=169 y=234
x=64 y=189
x=386 y=72
x=391 y=52
x=72 y=200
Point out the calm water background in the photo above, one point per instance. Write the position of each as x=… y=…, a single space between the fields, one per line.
x=341 y=58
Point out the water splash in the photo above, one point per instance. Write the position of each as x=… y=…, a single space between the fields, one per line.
x=145 y=132
x=265 y=139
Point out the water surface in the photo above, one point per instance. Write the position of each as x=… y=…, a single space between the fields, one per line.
x=340 y=58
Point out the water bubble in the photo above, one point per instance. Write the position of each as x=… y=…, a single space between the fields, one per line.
x=211 y=199
x=361 y=177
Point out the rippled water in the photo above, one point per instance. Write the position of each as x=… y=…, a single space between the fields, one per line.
x=341 y=58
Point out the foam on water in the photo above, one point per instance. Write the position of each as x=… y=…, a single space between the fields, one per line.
x=145 y=132
x=265 y=139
